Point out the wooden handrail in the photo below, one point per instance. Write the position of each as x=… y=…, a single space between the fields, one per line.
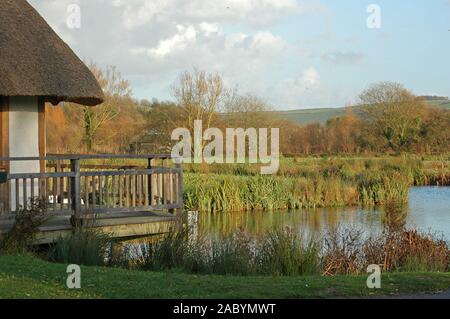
x=86 y=157
x=80 y=191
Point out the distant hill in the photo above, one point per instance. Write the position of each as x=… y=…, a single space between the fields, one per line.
x=322 y=115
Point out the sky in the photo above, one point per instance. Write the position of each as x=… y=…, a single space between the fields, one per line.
x=294 y=54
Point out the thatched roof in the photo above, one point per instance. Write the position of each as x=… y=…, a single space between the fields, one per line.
x=34 y=61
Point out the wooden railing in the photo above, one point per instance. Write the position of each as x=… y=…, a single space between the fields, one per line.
x=72 y=185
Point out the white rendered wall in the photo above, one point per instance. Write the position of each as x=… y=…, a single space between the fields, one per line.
x=23 y=138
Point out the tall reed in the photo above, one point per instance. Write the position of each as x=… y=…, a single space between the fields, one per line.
x=83 y=247
x=310 y=182
x=283 y=252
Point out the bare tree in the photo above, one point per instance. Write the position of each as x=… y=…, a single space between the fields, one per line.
x=248 y=111
x=116 y=89
x=200 y=95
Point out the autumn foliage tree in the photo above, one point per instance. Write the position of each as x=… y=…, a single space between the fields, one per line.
x=108 y=127
x=393 y=114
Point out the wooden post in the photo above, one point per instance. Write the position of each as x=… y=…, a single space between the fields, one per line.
x=180 y=200
x=149 y=181
x=76 y=188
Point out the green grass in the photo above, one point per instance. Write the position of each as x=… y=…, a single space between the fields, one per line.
x=309 y=116
x=29 y=277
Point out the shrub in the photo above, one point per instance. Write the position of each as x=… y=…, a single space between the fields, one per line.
x=24 y=229
x=285 y=253
x=83 y=247
x=407 y=250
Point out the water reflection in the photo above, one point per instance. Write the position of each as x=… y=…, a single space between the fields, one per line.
x=428 y=209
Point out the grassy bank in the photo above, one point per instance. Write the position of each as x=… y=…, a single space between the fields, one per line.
x=311 y=183
x=28 y=277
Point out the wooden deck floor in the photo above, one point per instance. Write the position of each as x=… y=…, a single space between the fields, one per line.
x=119 y=225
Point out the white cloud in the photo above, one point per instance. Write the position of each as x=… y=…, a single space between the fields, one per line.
x=137 y=13
x=179 y=41
x=308 y=90
x=152 y=41
x=310 y=78
x=344 y=58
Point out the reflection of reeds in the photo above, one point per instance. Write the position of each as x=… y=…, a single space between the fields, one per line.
x=394 y=215
x=313 y=220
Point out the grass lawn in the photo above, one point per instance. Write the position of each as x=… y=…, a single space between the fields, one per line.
x=29 y=277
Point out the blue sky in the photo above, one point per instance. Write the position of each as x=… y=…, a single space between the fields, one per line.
x=294 y=54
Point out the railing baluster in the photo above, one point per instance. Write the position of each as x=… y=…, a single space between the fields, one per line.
x=127 y=190
x=146 y=185
x=180 y=194
x=149 y=181
x=32 y=191
x=107 y=191
x=113 y=189
x=172 y=187
x=24 y=187
x=94 y=189
x=160 y=193
x=17 y=195
x=54 y=188
x=86 y=192
x=69 y=192
x=120 y=190
x=133 y=190
x=100 y=192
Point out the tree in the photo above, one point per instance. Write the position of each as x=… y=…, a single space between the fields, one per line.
x=244 y=111
x=343 y=133
x=392 y=113
x=116 y=90
x=200 y=95
x=435 y=135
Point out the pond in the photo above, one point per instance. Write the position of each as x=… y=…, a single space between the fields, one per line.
x=428 y=210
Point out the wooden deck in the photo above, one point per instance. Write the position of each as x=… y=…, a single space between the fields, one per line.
x=118 y=225
x=123 y=200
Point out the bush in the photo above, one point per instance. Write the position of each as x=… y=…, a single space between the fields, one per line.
x=83 y=247
x=285 y=253
x=26 y=225
x=407 y=250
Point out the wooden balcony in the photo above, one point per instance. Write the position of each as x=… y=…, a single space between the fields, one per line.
x=138 y=189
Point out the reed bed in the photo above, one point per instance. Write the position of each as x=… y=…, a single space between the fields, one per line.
x=214 y=193
x=284 y=252
x=83 y=247
x=310 y=183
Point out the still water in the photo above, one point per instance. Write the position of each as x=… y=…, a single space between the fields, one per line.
x=428 y=210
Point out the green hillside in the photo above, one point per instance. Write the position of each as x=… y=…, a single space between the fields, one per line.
x=322 y=115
